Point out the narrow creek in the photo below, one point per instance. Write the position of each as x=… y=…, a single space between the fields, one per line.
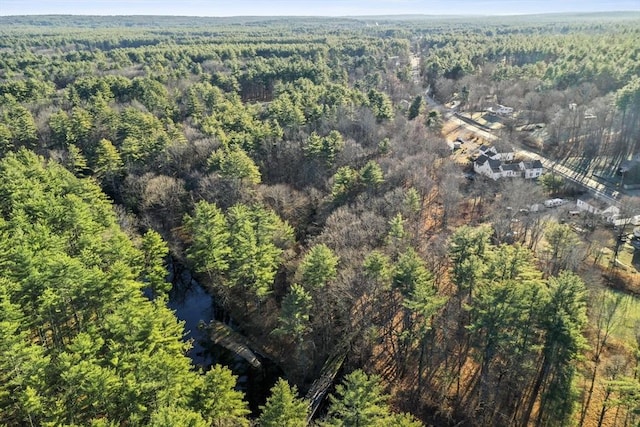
x=194 y=305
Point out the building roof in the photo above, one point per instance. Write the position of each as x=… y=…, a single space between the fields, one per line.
x=481 y=160
x=511 y=167
x=495 y=165
x=536 y=164
x=485 y=149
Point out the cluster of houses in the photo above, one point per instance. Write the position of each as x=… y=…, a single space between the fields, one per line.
x=606 y=211
x=598 y=207
x=492 y=163
x=496 y=165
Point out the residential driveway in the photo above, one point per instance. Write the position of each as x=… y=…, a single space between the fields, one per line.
x=461 y=127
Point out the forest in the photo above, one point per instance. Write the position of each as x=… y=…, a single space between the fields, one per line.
x=297 y=170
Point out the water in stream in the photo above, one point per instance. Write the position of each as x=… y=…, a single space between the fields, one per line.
x=193 y=305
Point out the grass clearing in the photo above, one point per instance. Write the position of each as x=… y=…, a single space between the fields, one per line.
x=627 y=318
x=625 y=259
x=629 y=324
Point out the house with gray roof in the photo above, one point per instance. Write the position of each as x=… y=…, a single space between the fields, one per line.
x=532 y=169
x=497 y=165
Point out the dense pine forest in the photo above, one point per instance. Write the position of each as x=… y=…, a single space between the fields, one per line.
x=300 y=170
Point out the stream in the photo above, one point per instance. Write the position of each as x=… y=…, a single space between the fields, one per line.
x=193 y=305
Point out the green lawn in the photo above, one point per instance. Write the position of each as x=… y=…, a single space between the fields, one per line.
x=625 y=259
x=628 y=322
x=629 y=314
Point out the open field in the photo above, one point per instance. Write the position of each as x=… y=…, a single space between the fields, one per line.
x=628 y=324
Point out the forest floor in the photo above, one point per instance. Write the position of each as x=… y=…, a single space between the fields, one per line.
x=623 y=332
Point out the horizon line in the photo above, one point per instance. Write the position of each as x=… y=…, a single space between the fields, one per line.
x=448 y=15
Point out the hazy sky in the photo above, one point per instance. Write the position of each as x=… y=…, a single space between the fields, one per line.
x=307 y=7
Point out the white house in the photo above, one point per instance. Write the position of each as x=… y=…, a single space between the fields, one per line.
x=497 y=165
x=487 y=166
x=492 y=152
x=598 y=207
x=591 y=205
x=511 y=170
x=487 y=150
x=532 y=170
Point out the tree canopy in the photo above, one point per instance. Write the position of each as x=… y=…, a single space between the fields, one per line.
x=292 y=169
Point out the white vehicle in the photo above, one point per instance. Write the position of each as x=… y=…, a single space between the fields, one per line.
x=552 y=203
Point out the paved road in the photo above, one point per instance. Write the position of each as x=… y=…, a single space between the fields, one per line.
x=597 y=188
